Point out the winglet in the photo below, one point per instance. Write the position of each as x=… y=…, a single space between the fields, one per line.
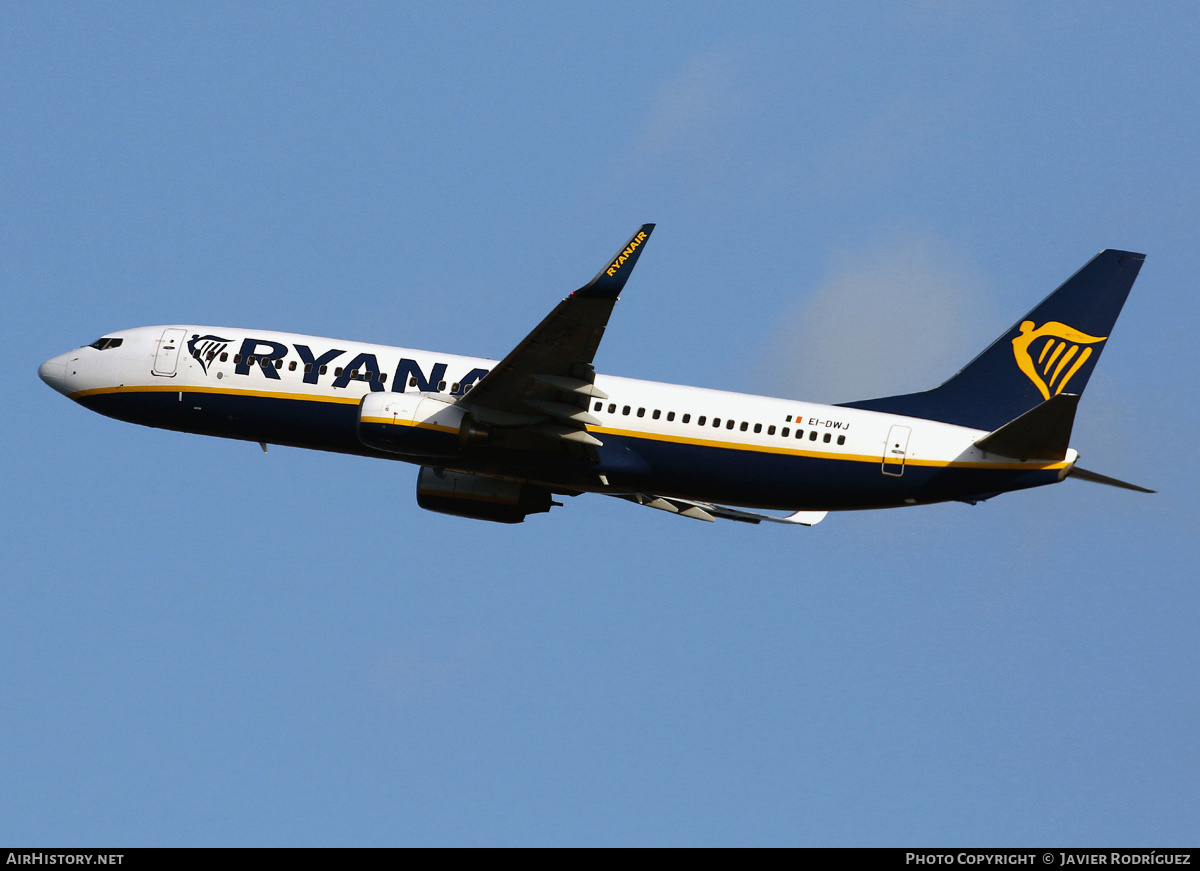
x=611 y=279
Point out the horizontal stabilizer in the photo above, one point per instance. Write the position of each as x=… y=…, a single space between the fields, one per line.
x=1042 y=433
x=1085 y=475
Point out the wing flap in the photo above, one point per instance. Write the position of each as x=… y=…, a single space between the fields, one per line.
x=710 y=512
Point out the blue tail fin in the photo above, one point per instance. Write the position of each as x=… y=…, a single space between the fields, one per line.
x=1054 y=346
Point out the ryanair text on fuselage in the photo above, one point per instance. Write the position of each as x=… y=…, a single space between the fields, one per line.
x=262 y=355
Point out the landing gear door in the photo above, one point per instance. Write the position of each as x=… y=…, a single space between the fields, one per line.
x=167 y=358
x=895 y=451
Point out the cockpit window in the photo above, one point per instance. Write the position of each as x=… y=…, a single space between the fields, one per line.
x=106 y=343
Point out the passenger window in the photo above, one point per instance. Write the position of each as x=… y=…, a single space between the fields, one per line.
x=656 y=414
x=250 y=360
x=599 y=405
x=237 y=358
x=716 y=421
x=745 y=426
x=224 y=356
x=785 y=431
x=799 y=433
x=729 y=423
x=279 y=363
x=812 y=436
x=441 y=387
x=700 y=420
x=324 y=369
x=383 y=378
x=687 y=418
x=612 y=406
x=841 y=440
x=209 y=356
x=828 y=438
x=670 y=415
x=625 y=410
x=412 y=381
x=338 y=372
x=641 y=412
x=292 y=366
x=771 y=430
x=454 y=387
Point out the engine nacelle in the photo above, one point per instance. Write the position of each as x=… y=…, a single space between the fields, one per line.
x=478 y=497
x=413 y=424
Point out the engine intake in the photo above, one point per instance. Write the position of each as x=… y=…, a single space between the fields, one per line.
x=413 y=424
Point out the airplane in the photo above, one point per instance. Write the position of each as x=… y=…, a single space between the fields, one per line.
x=499 y=441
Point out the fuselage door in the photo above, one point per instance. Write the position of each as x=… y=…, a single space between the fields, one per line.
x=167 y=358
x=896 y=450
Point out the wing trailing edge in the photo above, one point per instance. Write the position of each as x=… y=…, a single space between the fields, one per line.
x=710 y=512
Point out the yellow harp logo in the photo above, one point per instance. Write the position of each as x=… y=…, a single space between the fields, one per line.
x=1059 y=357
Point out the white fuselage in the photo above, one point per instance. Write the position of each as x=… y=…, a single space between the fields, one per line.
x=193 y=378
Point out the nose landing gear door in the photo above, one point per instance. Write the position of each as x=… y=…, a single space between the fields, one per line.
x=166 y=360
x=896 y=450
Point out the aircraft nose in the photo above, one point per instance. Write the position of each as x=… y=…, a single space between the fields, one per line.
x=54 y=373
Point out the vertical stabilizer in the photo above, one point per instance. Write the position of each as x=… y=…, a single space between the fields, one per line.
x=1049 y=352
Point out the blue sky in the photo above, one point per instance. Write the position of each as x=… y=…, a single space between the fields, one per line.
x=200 y=644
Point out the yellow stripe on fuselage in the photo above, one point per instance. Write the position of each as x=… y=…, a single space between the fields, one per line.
x=227 y=391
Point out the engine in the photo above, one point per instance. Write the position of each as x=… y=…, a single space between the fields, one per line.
x=478 y=497
x=415 y=424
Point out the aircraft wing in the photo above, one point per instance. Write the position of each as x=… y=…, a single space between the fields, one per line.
x=543 y=386
x=708 y=511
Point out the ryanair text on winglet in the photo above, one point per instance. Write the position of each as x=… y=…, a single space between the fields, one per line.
x=627 y=253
